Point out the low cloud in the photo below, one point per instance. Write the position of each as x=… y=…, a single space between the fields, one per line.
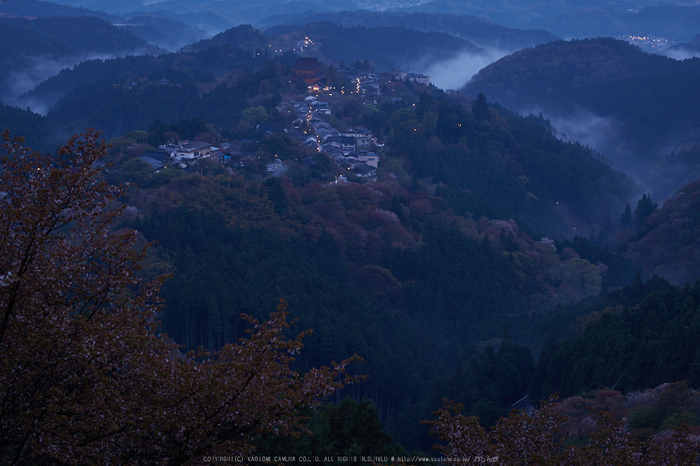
x=38 y=70
x=681 y=53
x=454 y=73
x=581 y=126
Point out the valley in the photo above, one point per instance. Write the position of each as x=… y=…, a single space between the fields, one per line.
x=486 y=203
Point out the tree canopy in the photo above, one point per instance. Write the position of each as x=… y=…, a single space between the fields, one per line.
x=86 y=375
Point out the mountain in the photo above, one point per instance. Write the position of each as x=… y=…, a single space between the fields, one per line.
x=38 y=48
x=40 y=8
x=671 y=23
x=164 y=32
x=477 y=30
x=524 y=13
x=387 y=47
x=690 y=49
x=160 y=28
x=215 y=16
x=245 y=37
x=520 y=78
x=112 y=6
x=625 y=103
x=667 y=243
x=628 y=346
x=34 y=128
x=584 y=22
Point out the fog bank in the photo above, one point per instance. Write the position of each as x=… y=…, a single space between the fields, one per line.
x=455 y=72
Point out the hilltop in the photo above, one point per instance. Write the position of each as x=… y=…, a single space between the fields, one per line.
x=38 y=48
x=477 y=30
x=630 y=105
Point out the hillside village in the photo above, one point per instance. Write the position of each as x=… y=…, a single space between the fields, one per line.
x=355 y=151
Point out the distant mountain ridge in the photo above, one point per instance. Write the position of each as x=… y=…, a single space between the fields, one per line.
x=39 y=8
x=244 y=36
x=480 y=31
x=515 y=79
x=388 y=47
x=36 y=49
x=645 y=102
x=676 y=23
x=524 y=13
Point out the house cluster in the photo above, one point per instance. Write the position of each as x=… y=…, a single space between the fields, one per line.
x=183 y=153
x=410 y=76
x=369 y=83
x=349 y=149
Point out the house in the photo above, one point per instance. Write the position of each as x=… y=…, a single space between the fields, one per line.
x=363 y=170
x=321 y=107
x=333 y=151
x=193 y=150
x=412 y=77
x=418 y=78
x=362 y=136
x=343 y=143
x=370 y=159
x=157 y=160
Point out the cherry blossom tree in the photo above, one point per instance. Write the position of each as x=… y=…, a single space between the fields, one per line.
x=85 y=376
x=541 y=438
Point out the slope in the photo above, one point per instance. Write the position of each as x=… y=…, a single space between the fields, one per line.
x=476 y=30
x=38 y=48
x=387 y=47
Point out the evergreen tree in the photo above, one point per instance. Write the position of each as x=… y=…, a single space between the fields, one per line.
x=480 y=108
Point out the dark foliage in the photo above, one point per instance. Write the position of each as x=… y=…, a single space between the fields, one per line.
x=628 y=347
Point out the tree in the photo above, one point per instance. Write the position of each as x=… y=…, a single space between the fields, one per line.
x=480 y=109
x=541 y=438
x=645 y=207
x=85 y=375
x=626 y=218
x=255 y=115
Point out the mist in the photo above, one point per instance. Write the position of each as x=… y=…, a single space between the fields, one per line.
x=581 y=126
x=681 y=53
x=453 y=73
x=661 y=175
x=38 y=70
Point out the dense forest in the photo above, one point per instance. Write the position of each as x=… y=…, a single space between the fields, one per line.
x=643 y=103
x=387 y=47
x=628 y=347
x=34 y=46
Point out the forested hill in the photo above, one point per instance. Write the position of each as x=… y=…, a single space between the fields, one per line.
x=143 y=89
x=34 y=128
x=520 y=79
x=508 y=161
x=39 y=8
x=387 y=47
x=628 y=347
x=677 y=23
x=72 y=34
x=38 y=48
x=488 y=161
x=245 y=37
x=374 y=268
x=667 y=241
x=632 y=106
x=477 y=30
x=427 y=262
